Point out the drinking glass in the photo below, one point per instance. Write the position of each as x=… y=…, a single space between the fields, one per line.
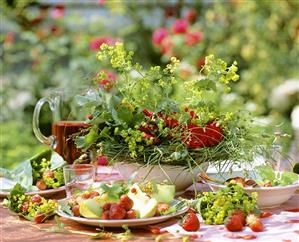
x=78 y=177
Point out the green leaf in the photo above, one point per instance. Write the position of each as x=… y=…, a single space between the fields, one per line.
x=266 y=172
x=65 y=207
x=43 y=154
x=288 y=178
x=206 y=84
x=91 y=99
x=125 y=114
x=22 y=174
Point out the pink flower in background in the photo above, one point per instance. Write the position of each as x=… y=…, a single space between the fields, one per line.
x=102 y=160
x=111 y=76
x=58 y=11
x=166 y=46
x=191 y=15
x=193 y=38
x=159 y=35
x=180 y=26
x=107 y=83
x=96 y=43
x=101 y=2
x=9 y=38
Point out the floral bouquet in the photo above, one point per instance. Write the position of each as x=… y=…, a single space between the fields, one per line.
x=153 y=117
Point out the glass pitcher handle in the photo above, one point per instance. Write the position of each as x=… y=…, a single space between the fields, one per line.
x=50 y=141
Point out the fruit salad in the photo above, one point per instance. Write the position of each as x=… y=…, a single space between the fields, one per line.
x=34 y=208
x=115 y=200
x=266 y=177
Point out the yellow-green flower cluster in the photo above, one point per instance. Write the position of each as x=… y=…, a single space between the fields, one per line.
x=216 y=207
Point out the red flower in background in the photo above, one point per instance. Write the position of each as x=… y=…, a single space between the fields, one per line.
x=96 y=43
x=200 y=62
x=107 y=84
x=191 y=15
x=9 y=38
x=58 y=11
x=159 y=35
x=101 y=2
x=180 y=26
x=193 y=38
x=166 y=46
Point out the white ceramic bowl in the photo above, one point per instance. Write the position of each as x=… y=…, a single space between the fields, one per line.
x=268 y=197
x=177 y=175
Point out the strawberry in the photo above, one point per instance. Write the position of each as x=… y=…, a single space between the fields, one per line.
x=39 y=218
x=234 y=223
x=254 y=223
x=36 y=199
x=265 y=214
x=190 y=222
x=76 y=210
x=241 y=215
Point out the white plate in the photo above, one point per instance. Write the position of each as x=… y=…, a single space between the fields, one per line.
x=120 y=222
x=43 y=193
x=267 y=197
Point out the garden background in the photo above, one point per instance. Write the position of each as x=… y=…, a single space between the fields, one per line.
x=46 y=44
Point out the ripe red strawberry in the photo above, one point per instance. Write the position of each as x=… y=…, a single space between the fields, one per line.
x=241 y=215
x=90 y=116
x=131 y=214
x=265 y=214
x=48 y=174
x=39 y=218
x=190 y=222
x=25 y=207
x=126 y=202
x=254 y=223
x=37 y=199
x=76 y=210
x=234 y=223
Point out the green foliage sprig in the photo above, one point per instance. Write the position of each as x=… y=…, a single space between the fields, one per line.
x=142 y=120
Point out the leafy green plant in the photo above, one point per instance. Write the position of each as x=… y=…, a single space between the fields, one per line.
x=141 y=120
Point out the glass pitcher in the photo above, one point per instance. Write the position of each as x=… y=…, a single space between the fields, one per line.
x=68 y=119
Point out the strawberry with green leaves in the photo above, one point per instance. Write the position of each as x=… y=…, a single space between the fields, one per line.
x=190 y=222
x=254 y=223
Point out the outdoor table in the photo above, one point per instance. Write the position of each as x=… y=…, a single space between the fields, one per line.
x=16 y=229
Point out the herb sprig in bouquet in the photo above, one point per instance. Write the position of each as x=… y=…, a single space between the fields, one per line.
x=152 y=116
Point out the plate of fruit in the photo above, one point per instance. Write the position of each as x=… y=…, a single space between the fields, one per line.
x=271 y=187
x=115 y=204
x=31 y=207
x=42 y=174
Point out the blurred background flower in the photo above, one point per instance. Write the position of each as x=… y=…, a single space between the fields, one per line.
x=51 y=43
